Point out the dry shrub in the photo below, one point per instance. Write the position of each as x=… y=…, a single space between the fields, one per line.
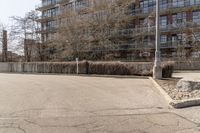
x=49 y=67
x=109 y=68
x=106 y=68
x=140 y=68
x=167 y=69
x=120 y=68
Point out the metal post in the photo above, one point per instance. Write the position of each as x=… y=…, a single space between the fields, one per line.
x=77 y=67
x=157 y=70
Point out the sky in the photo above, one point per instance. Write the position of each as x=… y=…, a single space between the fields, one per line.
x=10 y=8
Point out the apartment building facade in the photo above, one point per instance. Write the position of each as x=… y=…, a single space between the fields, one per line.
x=179 y=22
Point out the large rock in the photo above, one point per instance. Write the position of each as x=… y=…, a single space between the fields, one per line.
x=188 y=84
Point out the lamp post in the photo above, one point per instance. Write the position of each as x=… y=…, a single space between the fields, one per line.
x=157 y=70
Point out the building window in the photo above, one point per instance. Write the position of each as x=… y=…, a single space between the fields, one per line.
x=50 y=13
x=163 y=4
x=194 y=2
x=147 y=5
x=179 y=18
x=174 y=38
x=163 y=21
x=51 y=25
x=132 y=9
x=196 y=16
x=178 y=3
x=48 y=2
x=81 y=4
x=163 y=39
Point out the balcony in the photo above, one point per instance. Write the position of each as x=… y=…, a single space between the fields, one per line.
x=46 y=5
x=145 y=31
x=42 y=19
x=47 y=30
x=170 y=7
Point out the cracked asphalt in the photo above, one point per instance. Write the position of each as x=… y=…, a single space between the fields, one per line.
x=78 y=104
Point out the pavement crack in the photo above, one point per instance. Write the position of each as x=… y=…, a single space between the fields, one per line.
x=21 y=129
x=82 y=125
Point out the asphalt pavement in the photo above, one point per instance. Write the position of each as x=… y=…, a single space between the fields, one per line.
x=34 y=103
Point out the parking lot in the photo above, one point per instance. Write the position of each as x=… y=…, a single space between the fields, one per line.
x=81 y=104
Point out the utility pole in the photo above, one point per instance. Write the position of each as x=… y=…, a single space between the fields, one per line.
x=157 y=70
x=5 y=47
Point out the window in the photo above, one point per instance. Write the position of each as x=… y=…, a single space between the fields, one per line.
x=196 y=16
x=163 y=4
x=48 y=2
x=132 y=9
x=174 y=38
x=163 y=21
x=147 y=6
x=51 y=25
x=81 y=4
x=179 y=18
x=178 y=3
x=194 y=2
x=163 y=38
x=51 y=12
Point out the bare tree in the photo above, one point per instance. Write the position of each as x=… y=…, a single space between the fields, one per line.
x=94 y=29
x=189 y=39
x=23 y=30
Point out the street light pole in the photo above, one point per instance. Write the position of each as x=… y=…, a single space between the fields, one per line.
x=157 y=70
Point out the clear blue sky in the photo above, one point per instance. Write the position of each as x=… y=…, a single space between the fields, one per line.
x=15 y=8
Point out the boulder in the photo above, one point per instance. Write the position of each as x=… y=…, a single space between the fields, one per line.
x=188 y=84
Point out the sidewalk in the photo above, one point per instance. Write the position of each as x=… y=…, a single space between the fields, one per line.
x=182 y=74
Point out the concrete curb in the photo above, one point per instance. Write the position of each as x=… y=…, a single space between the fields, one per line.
x=82 y=75
x=176 y=103
x=114 y=76
x=160 y=89
x=185 y=103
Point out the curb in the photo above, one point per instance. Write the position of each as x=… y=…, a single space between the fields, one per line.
x=113 y=76
x=82 y=75
x=176 y=103
x=160 y=89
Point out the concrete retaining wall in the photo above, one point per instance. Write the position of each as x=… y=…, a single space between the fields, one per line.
x=4 y=67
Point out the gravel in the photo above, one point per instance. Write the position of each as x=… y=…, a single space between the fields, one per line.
x=169 y=85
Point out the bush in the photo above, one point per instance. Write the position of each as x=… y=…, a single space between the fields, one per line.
x=48 y=67
x=167 y=69
x=109 y=68
x=106 y=68
x=120 y=68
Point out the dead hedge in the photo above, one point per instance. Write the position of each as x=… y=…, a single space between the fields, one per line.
x=120 y=68
x=91 y=67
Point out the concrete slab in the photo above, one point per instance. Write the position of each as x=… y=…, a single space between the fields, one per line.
x=187 y=74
